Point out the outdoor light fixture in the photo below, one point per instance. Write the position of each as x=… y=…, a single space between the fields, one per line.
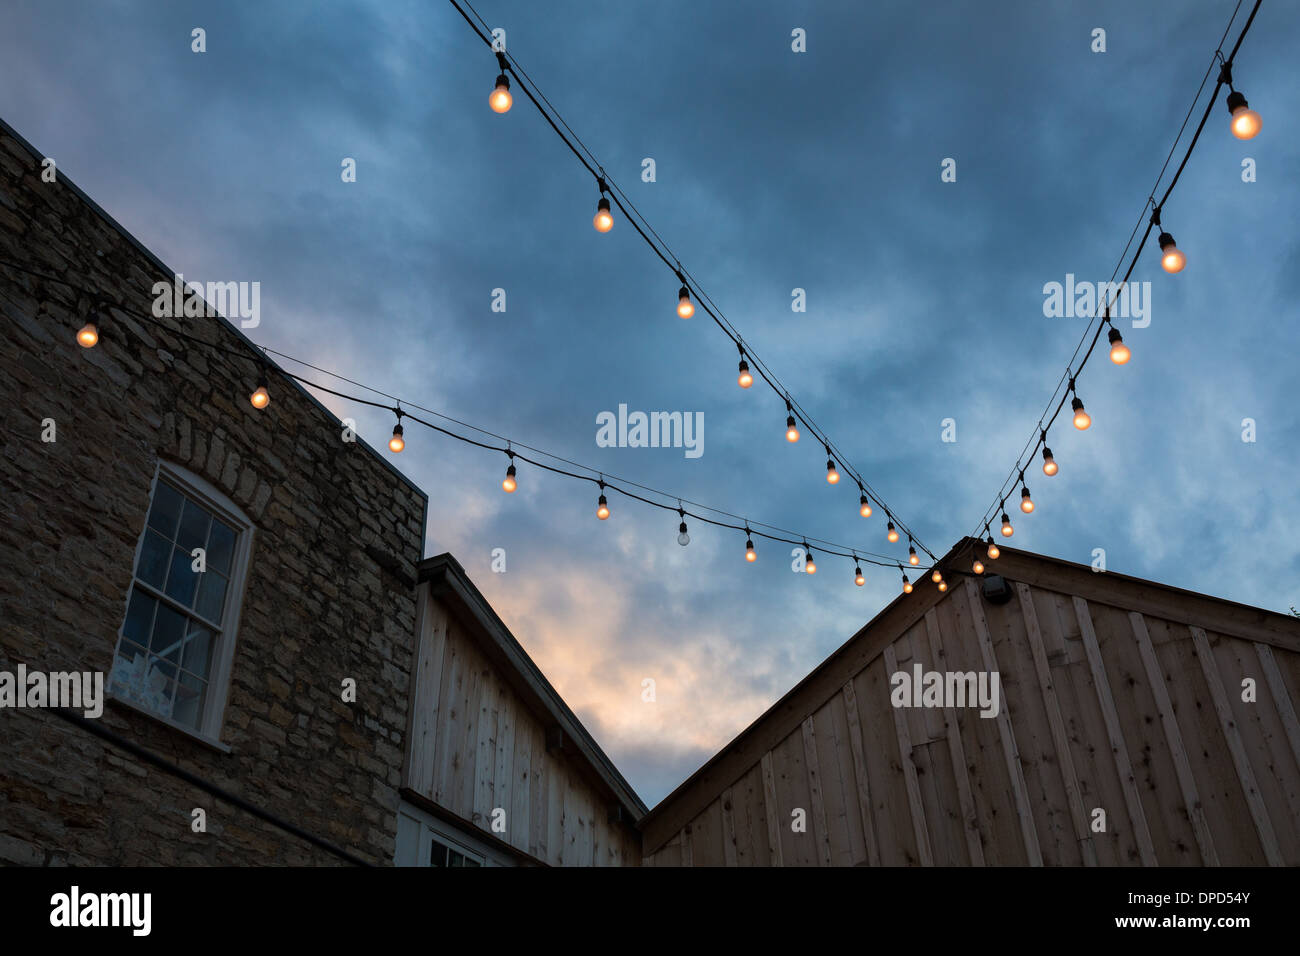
x=993 y=551
x=912 y=559
x=750 y=556
x=791 y=432
x=935 y=576
x=682 y=537
x=907 y=585
x=88 y=336
x=501 y=100
x=864 y=506
x=1007 y=530
x=397 y=442
x=1119 y=353
x=603 y=220
x=943 y=585
x=602 y=508
x=745 y=379
x=508 y=484
x=978 y=566
x=810 y=565
x=832 y=475
x=685 y=307
x=891 y=533
x=1026 y=502
x=1081 y=418
x=1049 y=463
x=858 y=579
x=260 y=398
x=1245 y=121
x=1172 y=257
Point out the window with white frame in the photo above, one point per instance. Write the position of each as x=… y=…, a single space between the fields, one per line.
x=177 y=640
x=425 y=840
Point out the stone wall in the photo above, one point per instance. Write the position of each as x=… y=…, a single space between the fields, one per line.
x=330 y=591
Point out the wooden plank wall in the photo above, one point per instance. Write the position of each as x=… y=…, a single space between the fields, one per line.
x=1103 y=708
x=476 y=746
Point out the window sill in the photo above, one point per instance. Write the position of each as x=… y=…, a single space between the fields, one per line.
x=210 y=742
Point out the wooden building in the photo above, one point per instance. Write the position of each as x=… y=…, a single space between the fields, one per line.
x=1139 y=725
x=498 y=770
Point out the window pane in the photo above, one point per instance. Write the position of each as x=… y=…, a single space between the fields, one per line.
x=182 y=580
x=194 y=527
x=166 y=510
x=139 y=617
x=437 y=854
x=152 y=568
x=470 y=861
x=138 y=678
x=168 y=629
x=188 y=708
x=197 y=648
x=212 y=594
x=221 y=546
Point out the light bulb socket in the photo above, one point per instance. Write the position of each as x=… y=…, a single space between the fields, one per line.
x=1024 y=492
x=1236 y=101
x=1047 y=454
x=789 y=421
x=749 y=544
x=683 y=293
x=601 y=501
x=510 y=472
x=1165 y=241
x=1113 y=335
x=744 y=366
x=1006 y=518
x=397 y=431
x=1077 y=404
x=603 y=205
x=681 y=528
x=830 y=464
x=503 y=83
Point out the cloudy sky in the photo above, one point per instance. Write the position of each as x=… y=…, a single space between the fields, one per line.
x=775 y=170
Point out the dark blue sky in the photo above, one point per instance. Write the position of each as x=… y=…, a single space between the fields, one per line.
x=775 y=170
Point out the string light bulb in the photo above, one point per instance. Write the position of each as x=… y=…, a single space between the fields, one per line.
x=745 y=379
x=508 y=484
x=1246 y=122
x=943 y=585
x=397 y=442
x=602 y=507
x=907 y=585
x=1171 y=257
x=88 y=334
x=261 y=397
x=936 y=576
x=912 y=559
x=978 y=566
x=1081 y=418
x=1119 y=353
x=501 y=100
x=685 y=307
x=891 y=533
x=810 y=566
x=1049 y=463
x=993 y=549
x=604 y=219
x=791 y=431
x=1026 y=502
x=1007 y=530
x=832 y=476
x=682 y=537
x=858 y=577
x=864 y=506
x=750 y=556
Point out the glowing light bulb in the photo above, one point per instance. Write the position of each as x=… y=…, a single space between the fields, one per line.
x=1007 y=530
x=1026 y=503
x=978 y=566
x=88 y=336
x=832 y=475
x=864 y=506
x=1171 y=257
x=745 y=379
x=682 y=537
x=685 y=307
x=810 y=565
x=858 y=578
x=943 y=585
x=912 y=559
x=1081 y=418
x=994 y=551
x=501 y=100
x=750 y=556
x=791 y=432
x=891 y=533
x=602 y=508
x=397 y=442
x=936 y=577
x=508 y=484
x=260 y=398
x=1119 y=353
x=907 y=585
x=603 y=220
x=1049 y=463
x=1245 y=121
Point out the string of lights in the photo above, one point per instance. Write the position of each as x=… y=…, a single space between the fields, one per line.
x=1244 y=124
x=89 y=336
x=690 y=295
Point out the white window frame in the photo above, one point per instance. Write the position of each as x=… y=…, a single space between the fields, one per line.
x=223 y=653
x=431 y=829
